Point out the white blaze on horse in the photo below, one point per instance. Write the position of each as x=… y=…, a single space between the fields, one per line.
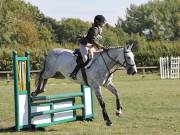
x=100 y=73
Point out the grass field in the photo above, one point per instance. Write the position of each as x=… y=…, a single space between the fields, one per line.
x=151 y=107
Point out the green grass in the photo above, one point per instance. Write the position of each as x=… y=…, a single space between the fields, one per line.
x=151 y=107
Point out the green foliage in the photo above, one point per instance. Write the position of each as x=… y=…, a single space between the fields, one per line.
x=7 y=22
x=137 y=19
x=109 y=38
x=27 y=33
x=53 y=26
x=158 y=19
x=148 y=53
x=70 y=29
x=154 y=26
x=113 y=36
x=5 y=59
x=20 y=24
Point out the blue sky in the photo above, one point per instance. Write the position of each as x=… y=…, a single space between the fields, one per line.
x=85 y=9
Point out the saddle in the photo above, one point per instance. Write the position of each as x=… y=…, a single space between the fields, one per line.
x=80 y=65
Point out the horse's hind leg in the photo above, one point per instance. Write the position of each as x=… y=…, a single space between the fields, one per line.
x=47 y=72
x=40 y=87
x=44 y=84
x=37 y=91
x=42 y=80
x=113 y=89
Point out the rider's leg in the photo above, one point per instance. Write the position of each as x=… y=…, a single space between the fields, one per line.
x=91 y=55
x=92 y=50
x=84 y=53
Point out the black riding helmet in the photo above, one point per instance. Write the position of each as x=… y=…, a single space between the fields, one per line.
x=99 y=19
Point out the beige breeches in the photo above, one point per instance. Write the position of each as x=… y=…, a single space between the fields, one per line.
x=87 y=50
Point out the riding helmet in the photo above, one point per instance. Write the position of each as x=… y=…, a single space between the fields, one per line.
x=99 y=19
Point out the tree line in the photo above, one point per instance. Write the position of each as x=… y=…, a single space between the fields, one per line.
x=154 y=27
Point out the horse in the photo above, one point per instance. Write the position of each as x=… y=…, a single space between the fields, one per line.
x=62 y=62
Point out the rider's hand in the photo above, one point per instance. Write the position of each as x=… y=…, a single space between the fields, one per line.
x=104 y=49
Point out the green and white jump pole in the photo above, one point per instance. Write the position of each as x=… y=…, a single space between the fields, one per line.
x=41 y=111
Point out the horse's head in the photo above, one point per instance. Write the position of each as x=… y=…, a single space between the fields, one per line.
x=129 y=62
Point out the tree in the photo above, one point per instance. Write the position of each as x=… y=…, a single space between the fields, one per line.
x=7 y=23
x=70 y=29
x=167 y=16
x=52 y=25
x=27 y=33
x=155 y=20
x=138 y=20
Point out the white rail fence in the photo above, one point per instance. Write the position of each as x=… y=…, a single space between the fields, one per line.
x=169 y=67
x=8 y=74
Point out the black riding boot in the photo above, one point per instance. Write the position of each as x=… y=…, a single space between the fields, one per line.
x=80 y=64
x=74 y=73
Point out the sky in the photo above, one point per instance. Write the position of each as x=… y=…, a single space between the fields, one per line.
x=85 y=9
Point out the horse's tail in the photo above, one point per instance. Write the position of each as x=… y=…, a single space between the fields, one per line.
x=39 y=75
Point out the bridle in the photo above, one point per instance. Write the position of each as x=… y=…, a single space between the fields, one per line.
x=116 y=62
x=125 y=60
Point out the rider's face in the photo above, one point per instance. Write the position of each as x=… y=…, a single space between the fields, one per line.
x=102 y=24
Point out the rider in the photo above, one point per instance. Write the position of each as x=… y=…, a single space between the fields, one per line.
x=91 y=41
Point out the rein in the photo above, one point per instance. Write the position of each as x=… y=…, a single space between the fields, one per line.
x=115 y=63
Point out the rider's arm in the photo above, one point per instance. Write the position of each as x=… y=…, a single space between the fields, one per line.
x=93 y=37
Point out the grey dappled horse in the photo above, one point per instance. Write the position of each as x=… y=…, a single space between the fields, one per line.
x=99 y=74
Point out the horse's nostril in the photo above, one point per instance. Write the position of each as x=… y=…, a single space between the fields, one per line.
x=134 y=73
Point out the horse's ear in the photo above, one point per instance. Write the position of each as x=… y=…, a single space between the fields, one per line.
x=130 y=46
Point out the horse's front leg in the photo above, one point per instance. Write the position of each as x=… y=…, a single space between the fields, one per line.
x=98 y=93
x=113 y=89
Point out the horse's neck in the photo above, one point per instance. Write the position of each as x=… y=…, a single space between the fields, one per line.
x=113 y=53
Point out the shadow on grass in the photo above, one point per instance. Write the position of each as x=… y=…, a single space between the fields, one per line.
x=40 y=129
x=12 y=129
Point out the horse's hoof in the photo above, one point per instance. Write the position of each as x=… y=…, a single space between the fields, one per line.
x=73 y=76
x=119 y=113
x=108 y=123
x=33 y=94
